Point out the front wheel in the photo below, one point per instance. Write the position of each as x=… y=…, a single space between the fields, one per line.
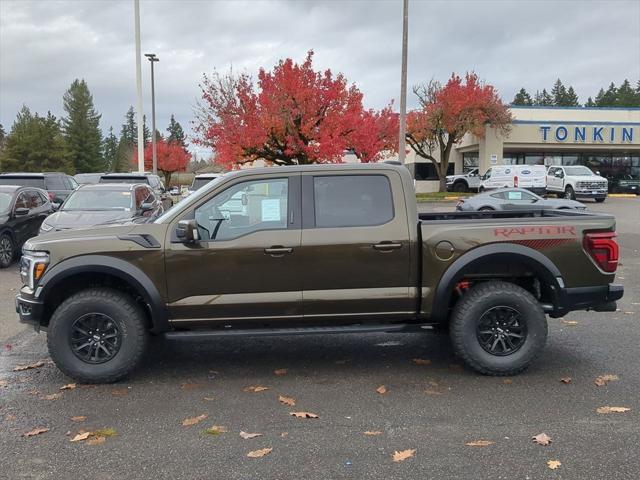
x=569 y=193
x=600 y=200
x=98 y=335
x=498 y=328
x=460 y=187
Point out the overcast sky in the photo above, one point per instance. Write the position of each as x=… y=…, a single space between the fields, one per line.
x=45 y=44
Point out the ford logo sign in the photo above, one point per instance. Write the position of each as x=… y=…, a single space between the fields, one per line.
x=526 y=172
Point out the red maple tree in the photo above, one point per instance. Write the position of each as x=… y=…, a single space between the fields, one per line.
x=295 y=115
x=171 y=157
x=448 y=113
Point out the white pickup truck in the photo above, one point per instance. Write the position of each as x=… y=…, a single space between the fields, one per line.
x=470 y=181
x=576 y=181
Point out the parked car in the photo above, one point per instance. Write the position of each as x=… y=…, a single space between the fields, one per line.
x=319 y=249
x=87 y=178
x=531 y=177
x=576 y=181
x=174 y=190
x=201 y=180
x=58 y=185
x=624 y=183
x=514 y=199
x=152 y=180
x=22 y=210
x=98 y=204
x=464 y=183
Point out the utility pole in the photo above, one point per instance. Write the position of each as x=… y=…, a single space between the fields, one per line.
x=403 y=83
x=152 y=58
x=136 y=8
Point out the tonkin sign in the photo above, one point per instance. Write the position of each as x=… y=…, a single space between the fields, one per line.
x=589 y=134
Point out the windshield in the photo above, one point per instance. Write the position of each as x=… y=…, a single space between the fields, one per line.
x=98 y=200
x=37 y=182
x=578 y=171
x=124 y=180
x=200 y=182
x=5 y=202
x=83 y=178
x=191 y=199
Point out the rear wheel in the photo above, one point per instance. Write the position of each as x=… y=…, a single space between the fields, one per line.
x=485 y=209
x=98 y=335
x=498 y=328
x=569 y=193
x=7 y=250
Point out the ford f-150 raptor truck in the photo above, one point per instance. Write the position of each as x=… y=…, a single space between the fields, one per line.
x=315 y=249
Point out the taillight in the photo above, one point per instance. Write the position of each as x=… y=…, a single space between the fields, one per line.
x=459 y=204
x=603 y=248
x=515 y=181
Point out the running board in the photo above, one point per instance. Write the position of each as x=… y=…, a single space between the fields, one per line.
x=268 y=332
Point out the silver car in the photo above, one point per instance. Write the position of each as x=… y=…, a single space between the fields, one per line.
x=514 y=199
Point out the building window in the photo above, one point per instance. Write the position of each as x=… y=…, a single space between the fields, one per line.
x=427 y=171
x=469 y=161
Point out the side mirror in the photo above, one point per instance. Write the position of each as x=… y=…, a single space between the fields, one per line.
x=146 y=206
x=187 y=231
x=20 y=211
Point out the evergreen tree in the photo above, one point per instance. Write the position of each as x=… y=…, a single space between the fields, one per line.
x=590 y=103
x=35 y=144
x=543 y=99
x=124 y=157
x=176 y=133
x=110 y=146
x=3 y=135
x=559 y=94
x=146 y=133
x=521 y=98
x=129 y=130
x=571 y=99
x=626 y=96
x=158 y=135
x=607 y=98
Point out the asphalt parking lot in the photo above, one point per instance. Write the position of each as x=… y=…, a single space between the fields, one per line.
x=432 y=405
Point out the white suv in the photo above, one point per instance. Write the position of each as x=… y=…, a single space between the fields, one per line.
x=576 y=181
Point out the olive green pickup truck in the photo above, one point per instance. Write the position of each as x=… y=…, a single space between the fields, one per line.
x=315 y=250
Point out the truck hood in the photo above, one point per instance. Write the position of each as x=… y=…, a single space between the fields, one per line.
x=42 y=242
x=85 y=218
x=588 y=178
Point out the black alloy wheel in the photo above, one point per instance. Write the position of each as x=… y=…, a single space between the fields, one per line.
x=6 y=251
x=501 y=331
x=95 y=338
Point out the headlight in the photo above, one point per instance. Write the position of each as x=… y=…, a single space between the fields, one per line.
x=45 y=227
x=32 y=267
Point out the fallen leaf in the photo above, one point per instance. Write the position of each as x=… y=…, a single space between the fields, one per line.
x=607 y=409
x=373 y=433
x=287 y=400
x=96 y=440
x=209 y=399
x=569 y=322
x=120 y=392
x=399 y=456
x=541 y=439
x=3 y=383
x=553 y=464
x=68 y=386
x=79 y=418
x=9 y=417
x=255 y=388
x=420 y=361
x=629 y=313
x=81 y=436
x=602 y=380
x=53 y=396
x=480 y=443
x=215 y=430
x=381 y=389
x=35 y=431
x=20 y=368
x=303 y=415
x=248 y=436
x=259 y=453
x=507 y=381
x=190 y=386
x=187 y=422
x=280 y=371
x=106 y=432
x=565 y=379
x=432 y=391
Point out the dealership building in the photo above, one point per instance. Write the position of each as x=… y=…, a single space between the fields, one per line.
x=607 y=140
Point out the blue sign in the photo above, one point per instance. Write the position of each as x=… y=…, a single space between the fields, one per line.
x=588 y=134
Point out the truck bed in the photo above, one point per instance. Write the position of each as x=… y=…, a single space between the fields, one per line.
x=486 y=215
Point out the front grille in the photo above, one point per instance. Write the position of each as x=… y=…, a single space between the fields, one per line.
x=592 y=185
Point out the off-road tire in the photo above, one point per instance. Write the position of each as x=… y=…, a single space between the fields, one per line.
x=8 y=252
x=569 y=193
x=123 y=310
x=466 y=317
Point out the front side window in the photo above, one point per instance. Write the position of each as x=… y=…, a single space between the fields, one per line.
x=22 y=201
x=352 y=200
x=244 y=208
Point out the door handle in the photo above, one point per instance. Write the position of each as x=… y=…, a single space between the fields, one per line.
x=387 y=246
x=278 y=251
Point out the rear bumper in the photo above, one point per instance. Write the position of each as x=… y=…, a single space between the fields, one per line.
x=601 y=299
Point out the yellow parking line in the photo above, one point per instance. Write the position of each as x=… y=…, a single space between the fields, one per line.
x=623 y=195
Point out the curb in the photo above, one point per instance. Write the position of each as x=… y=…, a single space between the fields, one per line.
x=623 y=195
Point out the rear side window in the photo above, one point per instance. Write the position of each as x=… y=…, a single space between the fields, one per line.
x=352 y=200
x=57 y=183
x=37 y=182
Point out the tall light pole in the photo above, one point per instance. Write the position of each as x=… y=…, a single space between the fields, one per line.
x=136 y=9
x=403 y=83
x=152 y=58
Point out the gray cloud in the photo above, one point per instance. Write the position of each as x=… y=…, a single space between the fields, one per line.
x=44 y=45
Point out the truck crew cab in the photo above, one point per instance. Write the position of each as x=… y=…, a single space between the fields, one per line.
x=315 y=249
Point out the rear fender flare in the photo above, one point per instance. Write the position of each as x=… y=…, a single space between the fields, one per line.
x=539 y=263
x=118 y=268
